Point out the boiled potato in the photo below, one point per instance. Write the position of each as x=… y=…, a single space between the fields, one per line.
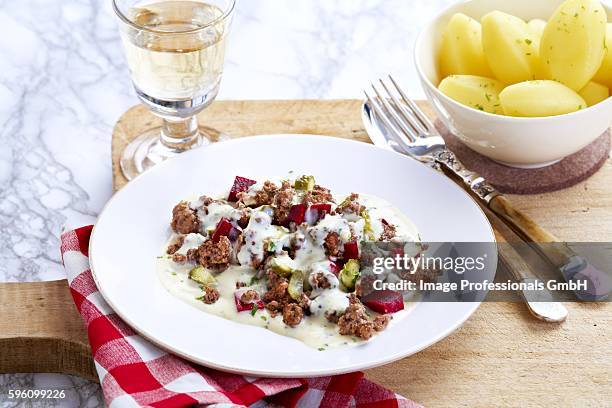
x=509 y=47
x=572 y=46
x=540 y=98
x=604 y=75
x=474 y=91
x=537 y=26
x=594 y=93
x=461 y=50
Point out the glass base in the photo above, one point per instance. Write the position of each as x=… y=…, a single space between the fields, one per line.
x=147 y=150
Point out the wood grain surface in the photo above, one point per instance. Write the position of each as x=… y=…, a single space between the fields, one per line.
x=41 y=330
x=500 y=357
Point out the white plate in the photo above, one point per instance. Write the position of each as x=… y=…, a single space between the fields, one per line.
x=133 y=227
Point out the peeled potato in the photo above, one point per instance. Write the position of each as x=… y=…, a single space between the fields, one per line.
x=594 y=93
x=461 y=50
x=540 y=98
x=474 y=91
x=537 y=26
x=509 y=49
x=604 y=75
x=572 y=46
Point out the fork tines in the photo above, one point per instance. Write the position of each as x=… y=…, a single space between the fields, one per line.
x=400 y=114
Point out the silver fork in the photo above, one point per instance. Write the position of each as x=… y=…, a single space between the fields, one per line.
x=412 y=131
x=396 y=122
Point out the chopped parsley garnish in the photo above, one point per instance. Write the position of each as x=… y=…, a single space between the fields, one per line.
x=321 y=349
x=254 y=309
x=528 y=41
x=253 y=280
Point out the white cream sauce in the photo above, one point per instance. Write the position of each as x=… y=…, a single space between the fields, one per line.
x=210 y=217
x=314 y=330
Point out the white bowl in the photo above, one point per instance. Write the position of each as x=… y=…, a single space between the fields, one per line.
x=517 y=142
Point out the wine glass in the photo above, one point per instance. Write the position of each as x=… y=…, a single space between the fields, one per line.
x=175 y=51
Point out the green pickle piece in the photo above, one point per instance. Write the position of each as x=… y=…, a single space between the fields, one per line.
x=368 y=232
x=349 y=274
x=202 y=275
x=296 y=285
x=305 y=183
x=281 y=266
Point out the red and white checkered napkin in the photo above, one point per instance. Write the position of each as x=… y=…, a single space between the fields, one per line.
x=133 y=372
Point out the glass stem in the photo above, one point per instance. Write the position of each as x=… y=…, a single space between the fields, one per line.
x=181 y=133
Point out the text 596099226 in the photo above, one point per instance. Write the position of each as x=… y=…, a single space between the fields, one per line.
x=36 y=394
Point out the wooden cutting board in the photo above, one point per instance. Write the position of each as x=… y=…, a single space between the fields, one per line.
x=500 y=356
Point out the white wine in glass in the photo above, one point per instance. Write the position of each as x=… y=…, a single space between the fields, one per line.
x=175 y=51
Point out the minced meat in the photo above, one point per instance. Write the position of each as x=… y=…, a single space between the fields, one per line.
x=210 y=296
x=350 y=205
x=332 y=244
x=277 y=289
x=389 y=231
x=265 y=196
x=381 y=322
x=249 y=296
x=318 y=195
x=321 y=281
x=283 y=201
x=184 y=219
x=176 y=245
x=213 y=255
x=292 y=314
x=277 y=298
x=179 y=258
x=355 y=321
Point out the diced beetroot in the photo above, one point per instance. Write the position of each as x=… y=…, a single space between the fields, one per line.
x=384 y=301
x=335 y=267
x=225 y=228
x=322 y=208
x=243 y=307
x=351 y=250
x=397 y=251
x=240 y=184
x=297 y=213
x=316 y=212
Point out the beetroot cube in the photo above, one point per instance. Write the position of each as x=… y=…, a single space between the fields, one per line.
x=242 y=307
x=384 y=301
x=240 y=184
x=225 y=228
x=297 y=213
x=317 y=212
x=334 y=267
x=351 y=250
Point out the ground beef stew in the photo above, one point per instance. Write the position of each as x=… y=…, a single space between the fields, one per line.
x=282 y=255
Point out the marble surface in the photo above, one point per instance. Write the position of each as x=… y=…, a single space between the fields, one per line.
x=64 y=83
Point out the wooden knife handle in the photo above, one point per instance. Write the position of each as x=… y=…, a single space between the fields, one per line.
x=549 y=246
x=540 y=239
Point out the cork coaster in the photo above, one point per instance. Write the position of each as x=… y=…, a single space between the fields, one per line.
x=569 y=171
